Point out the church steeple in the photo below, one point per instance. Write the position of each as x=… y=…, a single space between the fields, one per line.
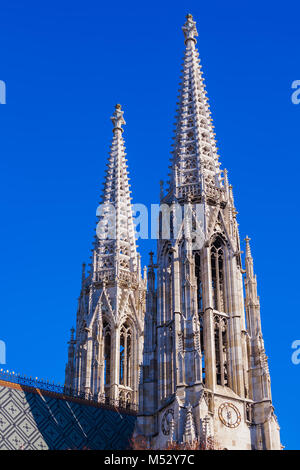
x=205 y=370
x=194 y=164
x=115 y=247
x=104 y=358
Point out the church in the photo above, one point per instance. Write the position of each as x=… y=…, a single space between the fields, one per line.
x=182 y=340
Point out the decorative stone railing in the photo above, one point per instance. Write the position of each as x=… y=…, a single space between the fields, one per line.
x=67 y=392
x=110 y=275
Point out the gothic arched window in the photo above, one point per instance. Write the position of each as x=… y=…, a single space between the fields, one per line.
x=125 y=355
x=221 y=350
x=217 y=274
x=201 y=320
x=122 y=349
x=199 y=282
x=107 y=352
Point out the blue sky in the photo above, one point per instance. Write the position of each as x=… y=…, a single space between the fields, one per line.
x=66 y=64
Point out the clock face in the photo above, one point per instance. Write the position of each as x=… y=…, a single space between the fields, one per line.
x=229 y=415
x=166 y=422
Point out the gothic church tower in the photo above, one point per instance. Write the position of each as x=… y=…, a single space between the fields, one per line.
x=205 y=371
x=105 y=357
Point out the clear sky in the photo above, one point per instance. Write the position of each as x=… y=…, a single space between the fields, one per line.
x=66 y=64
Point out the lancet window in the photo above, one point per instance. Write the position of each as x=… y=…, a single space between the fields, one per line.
x=217 y=274
x=199 y=282
x=201 y=321
x=221 y=350
x=125 y=355
x=107 y=352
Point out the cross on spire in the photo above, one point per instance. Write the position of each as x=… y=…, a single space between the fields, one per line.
x=117 y=118
x=189 y=28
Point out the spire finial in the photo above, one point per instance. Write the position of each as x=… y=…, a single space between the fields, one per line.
x=248 y=249
x=117 y=118
x=189 y=435
x=72 y=333
x=83 y=272
x=189 y=29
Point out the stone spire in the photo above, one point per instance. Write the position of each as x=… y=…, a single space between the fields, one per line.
x=189 y=435
x=115 y=246
x=69 y=371
x=259 y=370
x=104 y=359
x=252 y=299
x=72 y=333
x=248 y=249
x=194 y=164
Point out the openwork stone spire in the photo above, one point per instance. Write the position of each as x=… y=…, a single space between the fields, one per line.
x=195 y=166
x=103 y=360
x=115 y=247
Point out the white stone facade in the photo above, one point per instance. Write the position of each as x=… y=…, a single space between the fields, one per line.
x=185 y=341
x=204 y=361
